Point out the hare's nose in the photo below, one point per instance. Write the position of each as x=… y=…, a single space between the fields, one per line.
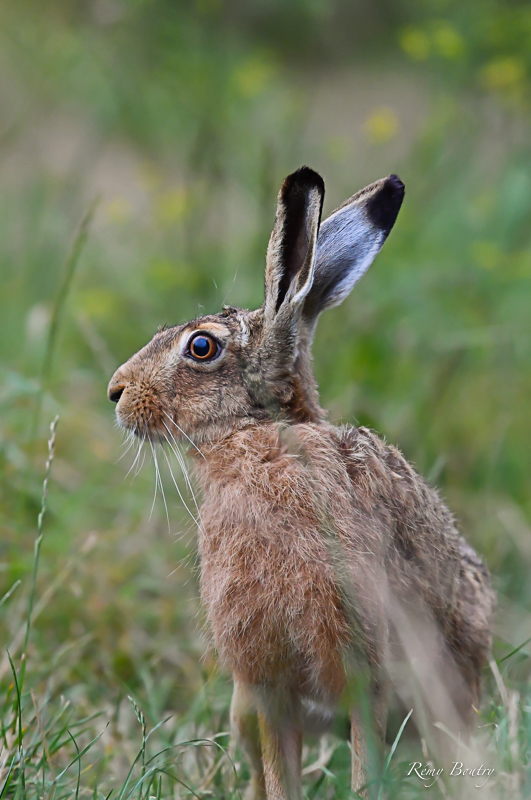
x=116 y=387
x=115 y=394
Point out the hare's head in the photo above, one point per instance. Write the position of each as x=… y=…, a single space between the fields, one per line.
x=221 y=372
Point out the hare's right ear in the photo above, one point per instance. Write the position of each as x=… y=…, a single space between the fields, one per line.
x=348 y=242
x=291 y=251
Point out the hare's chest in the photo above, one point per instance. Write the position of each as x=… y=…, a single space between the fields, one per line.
x=270 y=595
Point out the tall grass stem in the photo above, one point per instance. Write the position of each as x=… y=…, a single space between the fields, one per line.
x=72 y=261
x=38 y=543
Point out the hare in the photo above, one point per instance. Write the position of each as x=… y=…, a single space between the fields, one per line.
x=325 y=558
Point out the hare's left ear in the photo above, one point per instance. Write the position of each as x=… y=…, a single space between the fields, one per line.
x=349 y=240
x=291 y=251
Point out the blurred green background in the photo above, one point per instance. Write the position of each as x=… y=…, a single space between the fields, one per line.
x=175 y=123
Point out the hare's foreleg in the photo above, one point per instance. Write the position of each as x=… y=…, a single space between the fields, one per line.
x=359 y=733
x=359 y=752
x=244 y=727
x=281 y=744
x=281 y=754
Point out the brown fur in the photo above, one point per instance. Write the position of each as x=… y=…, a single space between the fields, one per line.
x=322 y=550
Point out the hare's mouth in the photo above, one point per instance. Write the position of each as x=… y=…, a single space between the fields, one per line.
x=147 y=418
x=140 y=412
x=143 y=427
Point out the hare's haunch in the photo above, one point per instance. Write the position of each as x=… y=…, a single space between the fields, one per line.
x=327 y=564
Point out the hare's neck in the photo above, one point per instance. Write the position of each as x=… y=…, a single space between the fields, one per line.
x=304 y=404
x=237 y=455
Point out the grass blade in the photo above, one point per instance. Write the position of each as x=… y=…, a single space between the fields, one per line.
x=38 y=542
x=60 y=301
x=19 y=719
x=391 y=753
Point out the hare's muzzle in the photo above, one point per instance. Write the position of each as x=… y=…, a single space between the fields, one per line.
x=139 y=406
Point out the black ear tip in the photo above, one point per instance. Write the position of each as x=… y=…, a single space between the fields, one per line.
x=308 y=175
x=303 y=179
x=398 y=185
x=384 y=205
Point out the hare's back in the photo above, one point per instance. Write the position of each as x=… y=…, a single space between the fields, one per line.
x=470 y=635
x=428 y=561
x=423 y=543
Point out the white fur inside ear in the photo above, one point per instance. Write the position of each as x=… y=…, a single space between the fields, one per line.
x=303 y=291
x=347 y=245
x=245 y=330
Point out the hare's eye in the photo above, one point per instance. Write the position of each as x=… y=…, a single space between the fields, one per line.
x=203 y=348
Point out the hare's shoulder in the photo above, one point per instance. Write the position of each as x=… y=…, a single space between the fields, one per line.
x=421 y=520
x=382 y=468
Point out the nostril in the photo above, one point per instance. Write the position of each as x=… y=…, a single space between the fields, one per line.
x=115 y=393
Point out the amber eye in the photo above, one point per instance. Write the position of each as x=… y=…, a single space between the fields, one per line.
x=203 y=347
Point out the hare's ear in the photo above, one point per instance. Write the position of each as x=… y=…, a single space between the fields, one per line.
x=291 y=251
x=348 y=242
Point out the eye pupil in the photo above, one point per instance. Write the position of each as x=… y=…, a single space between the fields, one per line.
x=203 y=348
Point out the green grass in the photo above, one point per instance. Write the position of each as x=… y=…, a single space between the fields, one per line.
x=181 y=136
x=57 y=746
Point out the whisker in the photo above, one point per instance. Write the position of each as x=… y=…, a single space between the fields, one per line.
x=158 y=478
x=158 y=482
x=128 y=443
x=128 y=438
x=180 y=458
x=230 y=287
x=141 y=464
x=184 y=434
x=140 y=444
x=183 y=501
